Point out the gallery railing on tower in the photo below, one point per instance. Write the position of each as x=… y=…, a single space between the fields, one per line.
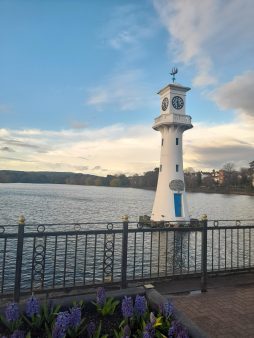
x=48 y=257
x=172 y=118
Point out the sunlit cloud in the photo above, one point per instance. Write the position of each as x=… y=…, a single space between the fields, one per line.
x=129 y=149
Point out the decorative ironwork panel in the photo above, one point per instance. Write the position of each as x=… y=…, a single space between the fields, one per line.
x=108 y=262
x=38 y=262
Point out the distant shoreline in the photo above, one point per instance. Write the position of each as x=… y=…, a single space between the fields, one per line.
x=147 y=181
x=210 y=191
x=221 y=192
x=218 y=190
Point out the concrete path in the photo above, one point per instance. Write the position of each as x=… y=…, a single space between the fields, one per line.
x=225 y=310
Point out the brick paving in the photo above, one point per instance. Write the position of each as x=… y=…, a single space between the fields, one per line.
x=221 y=312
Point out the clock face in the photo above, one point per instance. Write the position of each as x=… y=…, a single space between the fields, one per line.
x=177 y=102
x=164 y=104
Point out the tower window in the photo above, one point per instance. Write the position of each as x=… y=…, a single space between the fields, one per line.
x=177 y=141
x=162 y=141
x=161 y=167
x=177 y=168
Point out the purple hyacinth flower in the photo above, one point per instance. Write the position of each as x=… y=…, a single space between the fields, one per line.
x=63 y=320
x=168 y=309
x=126 y=331
x=18 y=334
x=183 y=333
x=127 y=307
x=140 y=306
x=32 y=306
x=149 y=329
x=177 y=330
x=75 y=317
x=147 y=335
x=58 y=332
x=12 y=312
x=91 y=328
x=173 y=329
x=101 y=296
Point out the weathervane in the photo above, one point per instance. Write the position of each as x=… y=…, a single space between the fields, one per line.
x=174 y=71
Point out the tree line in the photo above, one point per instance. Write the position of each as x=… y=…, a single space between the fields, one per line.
x=225 y=180
x=147 y=180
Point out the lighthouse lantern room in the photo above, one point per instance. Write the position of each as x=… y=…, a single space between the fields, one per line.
x=170 y=199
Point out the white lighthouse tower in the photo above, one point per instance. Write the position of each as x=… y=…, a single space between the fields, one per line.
x=170 y=199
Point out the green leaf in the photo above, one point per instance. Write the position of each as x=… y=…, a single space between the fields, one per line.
x=122 y=323
x=48 y=331
x=6 y=324
x=98 y=331
x=117 y=334
x=109 y=306
x=27 y=320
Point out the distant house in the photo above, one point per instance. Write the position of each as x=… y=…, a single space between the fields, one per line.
x=222 y=176
x=215 y=176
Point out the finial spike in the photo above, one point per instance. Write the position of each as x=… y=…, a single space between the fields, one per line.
x=174 y=71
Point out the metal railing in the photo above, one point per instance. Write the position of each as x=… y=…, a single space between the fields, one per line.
x=48 y=257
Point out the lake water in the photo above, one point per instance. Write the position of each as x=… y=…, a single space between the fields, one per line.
x=157 y=253
x=53 y=203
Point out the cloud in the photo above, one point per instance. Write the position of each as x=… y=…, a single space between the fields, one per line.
x=208 y=33
x=82 y=168
x=129 y=149
x=210 y=146
x=216 y=156
x=8 y=149
x=128 y=27
x=78 y=125
x=18 y=143
x=128 y=32
x=114 y=147
x=237 y=94
x=122 y=91
x=14 y=159
x=22 y=143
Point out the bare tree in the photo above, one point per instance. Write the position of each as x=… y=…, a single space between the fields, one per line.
x=229 y=167
x=230 y=177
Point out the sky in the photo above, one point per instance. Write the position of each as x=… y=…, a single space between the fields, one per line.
x=78 y=82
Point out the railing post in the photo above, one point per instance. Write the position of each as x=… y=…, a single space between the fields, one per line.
x=19 y=255
x=124 y=252
x=204 y=254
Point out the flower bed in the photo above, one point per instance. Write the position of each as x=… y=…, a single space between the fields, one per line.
x=105 y=318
